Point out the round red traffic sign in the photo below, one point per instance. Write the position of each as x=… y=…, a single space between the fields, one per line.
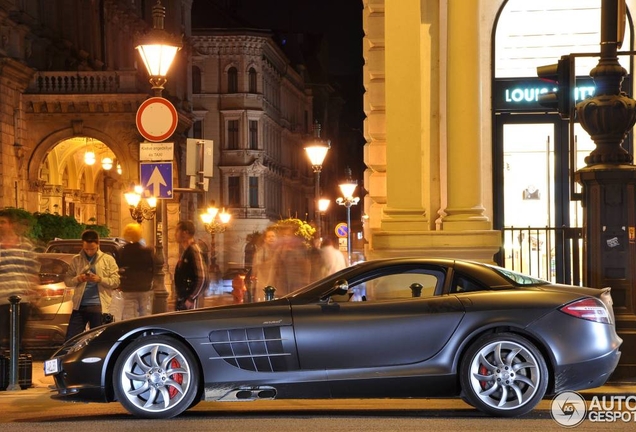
x=157 y=119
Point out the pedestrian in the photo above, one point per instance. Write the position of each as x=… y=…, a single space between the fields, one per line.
x=293 y=265
x=19 y=269
x=138 y=267
x=190 y=273
x=333 y=259
x=94 y=274
x=264 y=264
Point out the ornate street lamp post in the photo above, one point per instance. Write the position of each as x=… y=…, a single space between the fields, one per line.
x=317 y=151
x=158 y=49
x=347 y=188
x=214 y=222
x=140 y=208
x=107 y=165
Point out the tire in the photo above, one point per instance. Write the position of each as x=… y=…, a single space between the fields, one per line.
x=156 y=377
x=504 y=375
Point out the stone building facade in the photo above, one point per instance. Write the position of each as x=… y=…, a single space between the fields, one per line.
x=257 y=109
x=71 y=83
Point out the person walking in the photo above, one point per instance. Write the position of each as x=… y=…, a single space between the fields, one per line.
x=190 y=273
x=264 y=264
x=19 y=269
x=137 y=269
x=93 y=274
x=332 y=259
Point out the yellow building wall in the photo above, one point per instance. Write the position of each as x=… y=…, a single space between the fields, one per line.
x=428 y=129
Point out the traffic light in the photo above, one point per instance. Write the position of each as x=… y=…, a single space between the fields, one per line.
x=561 y=74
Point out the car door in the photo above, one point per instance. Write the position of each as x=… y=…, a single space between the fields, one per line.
x=380 y=323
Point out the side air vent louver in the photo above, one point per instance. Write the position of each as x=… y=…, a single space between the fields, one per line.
x=256 y=349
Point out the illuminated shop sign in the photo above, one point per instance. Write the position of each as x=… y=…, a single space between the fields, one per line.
x=525 y=95
x=522 y=94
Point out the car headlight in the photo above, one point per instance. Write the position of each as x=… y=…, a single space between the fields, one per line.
x=84 y=340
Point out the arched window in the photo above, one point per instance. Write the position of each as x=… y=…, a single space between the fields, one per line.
x=252 y=80
x=232 y=80
x=196 y=80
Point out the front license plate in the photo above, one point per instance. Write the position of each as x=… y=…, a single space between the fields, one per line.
x=51 y=367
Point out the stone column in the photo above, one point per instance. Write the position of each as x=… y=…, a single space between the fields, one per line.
x=464 y=210
x=408 y=122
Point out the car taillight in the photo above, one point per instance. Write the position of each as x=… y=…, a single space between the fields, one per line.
x=590 y=309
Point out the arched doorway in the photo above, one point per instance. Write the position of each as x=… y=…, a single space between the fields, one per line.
x=82 y=178
x=534 y=157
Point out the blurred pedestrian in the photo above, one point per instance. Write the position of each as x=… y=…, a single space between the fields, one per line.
x=293 y=265
x=137 y=268
x=333 y=259
x=94 y=274
x=238 y=287
x=264 y=263
x=18 y=272
x=190 y=273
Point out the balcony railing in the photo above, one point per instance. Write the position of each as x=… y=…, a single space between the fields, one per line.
x=553 y=254
x=84 y=82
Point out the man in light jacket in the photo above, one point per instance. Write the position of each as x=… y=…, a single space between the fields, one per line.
x=93 y=274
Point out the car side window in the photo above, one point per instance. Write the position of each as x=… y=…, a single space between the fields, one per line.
x=398 y=286
x=462 y=284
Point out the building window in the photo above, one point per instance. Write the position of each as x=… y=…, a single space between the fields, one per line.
x=252 y=80
x=232 y=80
x=197 y=129
x=233 y=134
x=253 y=135
x=253 y=192
x=196 y=80
x=234 y=191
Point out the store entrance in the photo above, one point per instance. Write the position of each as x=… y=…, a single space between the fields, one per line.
x=533 y=187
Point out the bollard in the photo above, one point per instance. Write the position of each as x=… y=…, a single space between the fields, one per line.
x=14 y=343
x=269 y=292
x=416 y=289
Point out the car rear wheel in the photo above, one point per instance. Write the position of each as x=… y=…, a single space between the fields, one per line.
x=156 y=377
x=503 y=374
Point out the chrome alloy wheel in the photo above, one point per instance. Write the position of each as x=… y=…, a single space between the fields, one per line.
x=155 y=379
x=505 y=375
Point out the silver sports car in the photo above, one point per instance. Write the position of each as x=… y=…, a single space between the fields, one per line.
x=379 y=329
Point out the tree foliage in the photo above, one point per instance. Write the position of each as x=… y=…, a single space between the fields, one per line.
x=41 y=228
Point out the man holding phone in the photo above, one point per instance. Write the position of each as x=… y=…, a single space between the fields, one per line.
x=93 y=274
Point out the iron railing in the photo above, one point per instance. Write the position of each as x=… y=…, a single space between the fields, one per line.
x=553 y=254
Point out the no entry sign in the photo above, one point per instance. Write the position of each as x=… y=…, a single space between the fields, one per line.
x=156 y=119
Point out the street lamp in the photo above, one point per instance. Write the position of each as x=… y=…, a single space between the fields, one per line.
x=317 y=151
x=158 y=49
x=347 y=188
x=140 y=208
x=323 y=205
x=107 y=165
x=214 y=223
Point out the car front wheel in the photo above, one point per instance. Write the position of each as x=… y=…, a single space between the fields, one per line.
x=504 y=374
x=156 y=377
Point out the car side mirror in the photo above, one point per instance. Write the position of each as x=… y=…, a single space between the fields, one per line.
x=340 y=288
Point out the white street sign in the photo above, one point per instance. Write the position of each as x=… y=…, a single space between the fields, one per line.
x=156 y=151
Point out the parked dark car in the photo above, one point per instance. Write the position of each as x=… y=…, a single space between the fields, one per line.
x=51 y=305
x=109 y=245
x=388 y=328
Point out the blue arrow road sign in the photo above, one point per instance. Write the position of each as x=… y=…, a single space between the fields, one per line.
x=156 y=178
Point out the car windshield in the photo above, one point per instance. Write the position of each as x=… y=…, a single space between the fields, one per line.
x=518 y=278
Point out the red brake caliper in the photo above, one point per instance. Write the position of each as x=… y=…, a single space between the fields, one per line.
x=176 y=377
x=483 y=371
